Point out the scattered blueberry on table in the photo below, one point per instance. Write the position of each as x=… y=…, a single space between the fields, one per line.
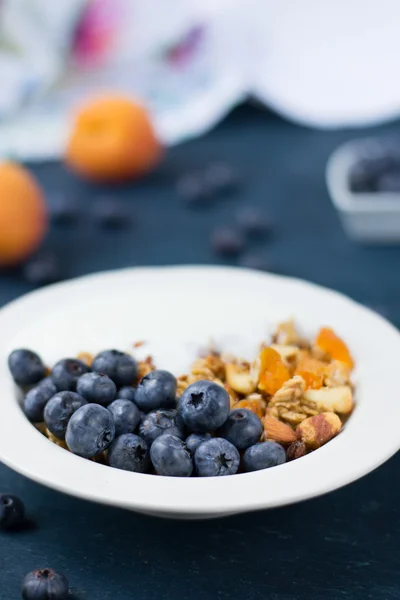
x=12 y=512
x=64 y=211
x=227 y=241
x=45 y=584
x=253 y=221
x=42 y=269
x=110 y=213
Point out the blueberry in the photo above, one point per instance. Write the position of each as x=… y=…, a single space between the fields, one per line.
x=64 y=211
x=130 y=453
x=37 y=398
x=26 y=367
x=110 y=213
x=195 y=439
x=263 y=456
x=253 y=222
x=227 y=241
x=90 y=430
x=97 y=388
x=66 y=372
x=204 y=406
x=242 y=428
x=193 y=190
x=12 y=512
x=156 y=390
x=255 y=260
x=127 y=393
x=126 y=416
x=159 y=422
x=45 y=584
x=170 y=457
x=120 y=367
x=216 y=457
x=221 y=178
x=389 y=182
x=42 y=269
x=58 y=411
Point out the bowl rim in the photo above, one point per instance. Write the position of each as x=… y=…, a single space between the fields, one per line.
x=320 y=472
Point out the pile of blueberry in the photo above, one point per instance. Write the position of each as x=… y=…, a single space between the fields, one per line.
x=143 y=427
x=378 y=168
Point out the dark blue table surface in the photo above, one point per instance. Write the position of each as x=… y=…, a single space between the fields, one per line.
x=338 y=547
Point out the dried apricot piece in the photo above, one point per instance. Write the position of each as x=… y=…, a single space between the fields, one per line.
x=312 y=371
x=273 y=371
x=334 y=346
x=256 y=405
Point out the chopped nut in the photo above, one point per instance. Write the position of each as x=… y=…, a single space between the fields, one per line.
x=292 y=404
x=318 y=430
x=210 y=366
x=287 y=335
x=277 y=431
x=338 y=399
x=139 y=344
x=41 y=427
x=296 y=450
x=240 y=378
x=145 y=367
x=55 y=439
x=288 y=353
x=337 y=374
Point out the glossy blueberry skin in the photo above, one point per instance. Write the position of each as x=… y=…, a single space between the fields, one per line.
x=58 y=411
x=216 y=457
x=119 y=367
x=126 y=416
x=12 y=512
x=159 y=422
x=97 y=388
x=36 y=399
x=26 y=367
x=170 y=457
x=263 y=456
x=129 y=452
x=90 y=430
x=195 y=439
x=156 y=390
x=242 y=428
x=204 y=406
x=66 y=372
x=45 y=584
x=127 y=393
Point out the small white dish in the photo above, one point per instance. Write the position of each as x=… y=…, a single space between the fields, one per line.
x=369 y=217
x=177 y=310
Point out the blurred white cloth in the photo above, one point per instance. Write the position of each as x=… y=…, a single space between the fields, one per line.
x=323 y=64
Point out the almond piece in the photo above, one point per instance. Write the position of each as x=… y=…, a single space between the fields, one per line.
x=318 y=430
x=277 y=431
x=338 y=399
x=288 y=353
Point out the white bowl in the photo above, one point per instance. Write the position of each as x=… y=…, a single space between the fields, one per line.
x=176 y=310
x=367 y=217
